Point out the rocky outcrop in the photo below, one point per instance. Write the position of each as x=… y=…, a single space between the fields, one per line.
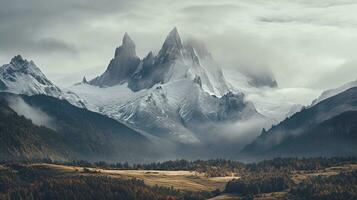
x=121 y=67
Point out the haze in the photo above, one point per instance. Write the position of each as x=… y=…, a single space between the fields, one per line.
x=309 y=45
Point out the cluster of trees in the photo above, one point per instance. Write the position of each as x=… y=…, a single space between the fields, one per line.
x=212 y=168
x=297 y=164
x=262 y=183
x=20 y=138
x=341 y=186
x=222 y=167
x=21 y=182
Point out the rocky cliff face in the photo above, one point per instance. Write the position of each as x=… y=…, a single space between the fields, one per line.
x=121 y=67
x=175 y=60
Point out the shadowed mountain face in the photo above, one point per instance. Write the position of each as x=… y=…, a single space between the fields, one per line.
x=176 y=60
x=75 y=133
x=20 y=139
x=156 y=70
x=121 y=67
x=325 y=129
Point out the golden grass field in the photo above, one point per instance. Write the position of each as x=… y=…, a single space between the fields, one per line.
x=189 y=180
x=183 y=180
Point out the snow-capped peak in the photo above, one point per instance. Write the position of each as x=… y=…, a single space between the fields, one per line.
x=20 y=65
x=24 y=77
x=176 y=60
x=19 y=62
x=169 y=94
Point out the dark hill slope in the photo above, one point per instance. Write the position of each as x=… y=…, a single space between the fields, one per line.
x=81 y=133
x=22 y=140
x=326 y=129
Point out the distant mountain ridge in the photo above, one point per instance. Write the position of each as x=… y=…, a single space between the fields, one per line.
x=332 y=92
x=178 y=98
x=327 y=128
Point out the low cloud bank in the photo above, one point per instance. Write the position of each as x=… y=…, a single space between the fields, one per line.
x=36 y=115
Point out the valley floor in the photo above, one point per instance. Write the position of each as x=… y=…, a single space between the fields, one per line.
x=181 y=180
x=31 y=179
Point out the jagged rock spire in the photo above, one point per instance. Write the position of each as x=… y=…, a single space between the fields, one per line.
x=17 y=60
x=149 y=59
x=172 y=47
x=18 y=63
x=127 y=40
x=173 y=39
x=84 y=80
x=127 y=49
x=121 y=67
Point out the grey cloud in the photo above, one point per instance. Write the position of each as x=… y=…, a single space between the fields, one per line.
x=52 y=45
x=347 y=72
x=36 y=115
x=24 y=25
x=307 y=38
x=42 y=46
x=284 y=20
x=311 y=20
x=327 y=3
x=213 y=8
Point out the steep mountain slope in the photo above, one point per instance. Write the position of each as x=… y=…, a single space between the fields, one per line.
x=325 y=129
x=121 y=67
x=177 y=94
x=329 y=93
x=24 y=77
x=177 y=61
x=174 y=61
x=22 y=140
x=78 y=133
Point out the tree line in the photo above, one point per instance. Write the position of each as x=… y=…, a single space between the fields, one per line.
x=19 y=182
x=218 y=167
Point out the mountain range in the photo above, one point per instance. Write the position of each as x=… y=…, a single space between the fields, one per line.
x=180 y=94
x=173 y=104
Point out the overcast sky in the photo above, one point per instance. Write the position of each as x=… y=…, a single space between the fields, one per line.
x=306 y=43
